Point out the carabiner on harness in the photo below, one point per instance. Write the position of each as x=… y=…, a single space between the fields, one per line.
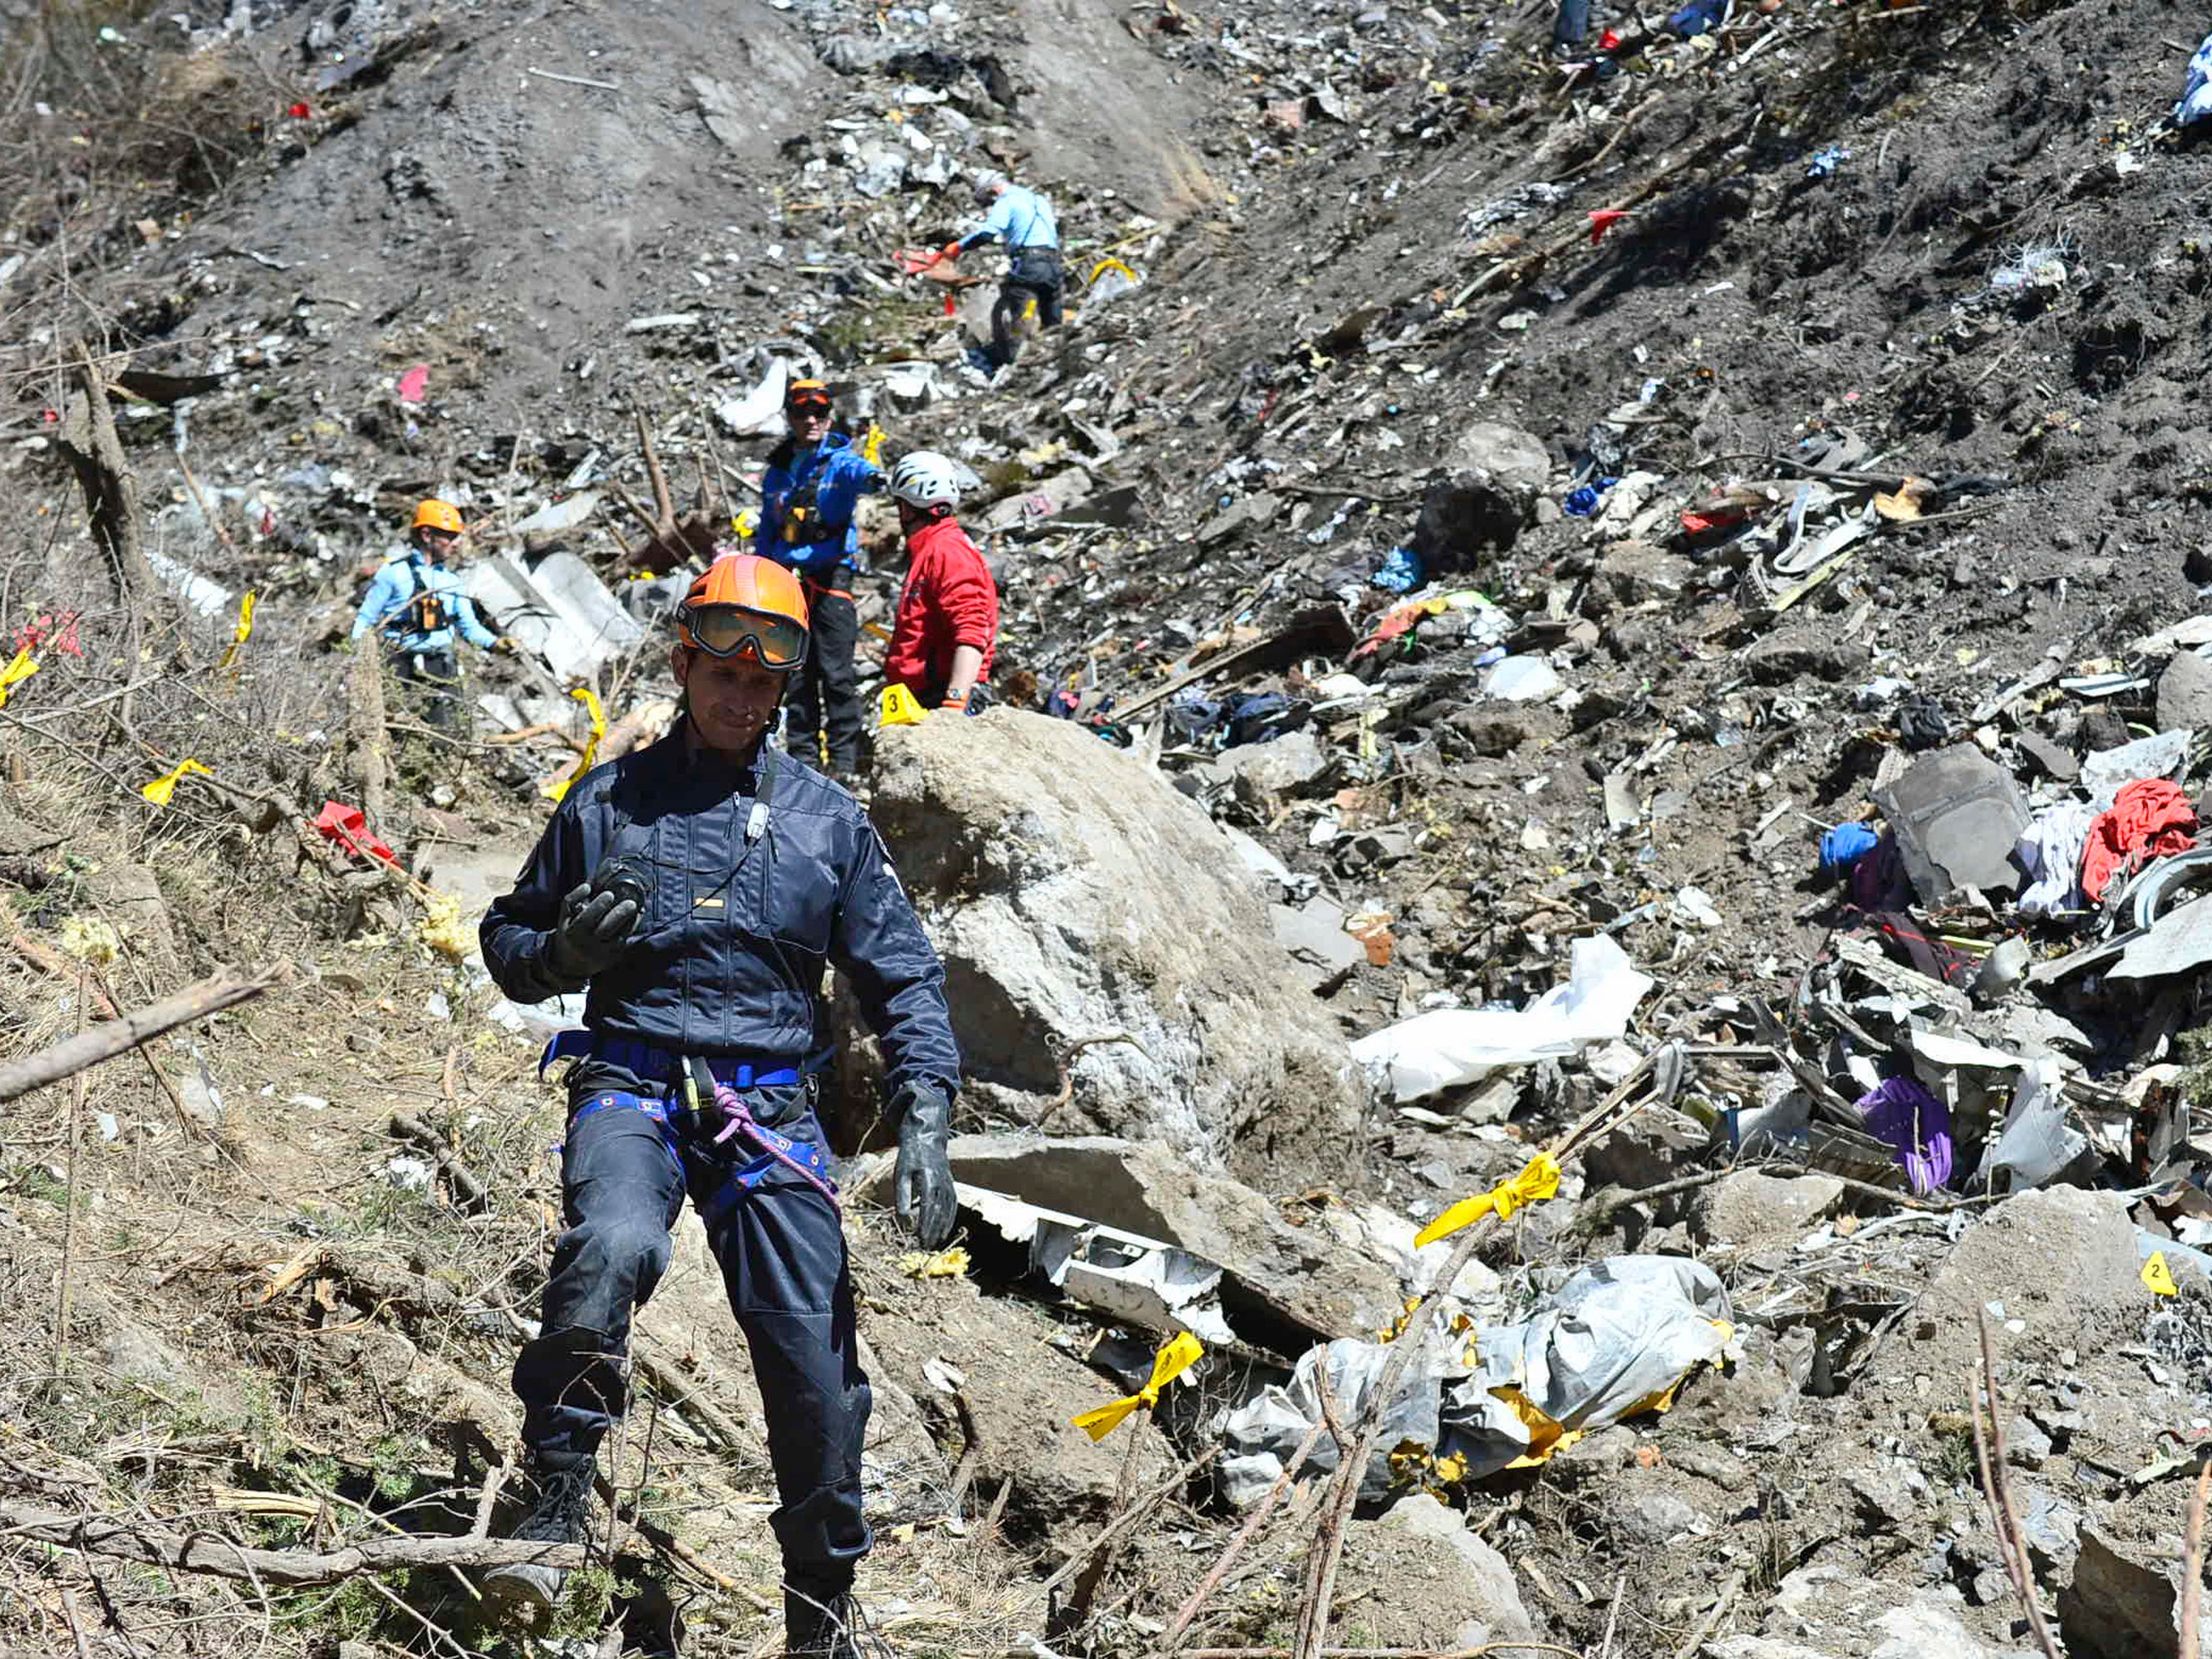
x=718 y=1107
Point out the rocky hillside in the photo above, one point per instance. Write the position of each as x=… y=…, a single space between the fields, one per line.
x=1658 y=511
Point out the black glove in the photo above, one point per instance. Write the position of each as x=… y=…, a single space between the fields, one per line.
x=593 y=932
x=921 y=1186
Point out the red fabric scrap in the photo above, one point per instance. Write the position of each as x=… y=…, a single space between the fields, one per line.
x=348 y=827
x=415 y=384
x=300 y=112
x=1602 y=220
x=1610 y=41
x=60 y=630
x=1400 y=618
x=2150 y=818
x=1704 y=524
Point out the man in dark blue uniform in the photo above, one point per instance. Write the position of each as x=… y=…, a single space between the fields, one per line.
x=697 y=888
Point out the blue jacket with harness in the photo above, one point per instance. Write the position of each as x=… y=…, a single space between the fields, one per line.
x=744 y=907
x=808 y=498
x=390 y=605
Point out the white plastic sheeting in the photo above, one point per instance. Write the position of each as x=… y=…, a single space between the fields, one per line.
x=1451 y=1046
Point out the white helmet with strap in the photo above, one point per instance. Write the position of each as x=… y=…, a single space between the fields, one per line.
x=927 y=479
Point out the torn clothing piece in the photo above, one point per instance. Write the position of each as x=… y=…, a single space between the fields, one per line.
x=1915 y=1125
x=2150 y=818
x=2050 y=851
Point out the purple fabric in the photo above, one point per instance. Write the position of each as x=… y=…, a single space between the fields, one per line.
x=1878 y=881
x=1916 y=1124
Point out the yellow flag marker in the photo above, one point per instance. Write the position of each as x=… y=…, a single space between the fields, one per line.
x=1540 y=1180
x=16 y=672
x=590 y=699
x=1180 y=1353
x=2159 y=1277
x=871 y=447
x=242 y=633
x=162 y=787
x=897 y=706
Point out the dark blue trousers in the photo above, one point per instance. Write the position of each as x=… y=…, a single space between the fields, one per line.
x=781 y=1247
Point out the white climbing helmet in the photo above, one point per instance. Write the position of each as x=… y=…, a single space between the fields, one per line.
x=925 y=478
x=987 y=186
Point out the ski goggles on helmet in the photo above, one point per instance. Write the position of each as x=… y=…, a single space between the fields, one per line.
x=810 y=397
x=728 y=631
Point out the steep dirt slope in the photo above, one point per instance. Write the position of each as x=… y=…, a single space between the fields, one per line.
x=1362 y=228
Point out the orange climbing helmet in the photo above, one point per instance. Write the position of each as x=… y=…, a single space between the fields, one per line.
x=805 y=394
x=437 y=515
x=745 y=602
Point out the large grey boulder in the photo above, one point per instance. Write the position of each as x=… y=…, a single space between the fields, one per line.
x=1093 y=918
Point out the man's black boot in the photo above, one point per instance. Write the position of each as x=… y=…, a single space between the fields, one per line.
x=828 y=1624
x=560 y=1493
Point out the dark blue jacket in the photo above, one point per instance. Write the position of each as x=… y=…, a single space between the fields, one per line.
x=837 y=475
x=724 y=963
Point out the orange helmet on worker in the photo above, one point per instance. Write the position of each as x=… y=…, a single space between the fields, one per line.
x=745 y=604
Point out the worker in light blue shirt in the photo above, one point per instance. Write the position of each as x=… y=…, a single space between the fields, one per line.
x=1024 y=221
x=418 y=606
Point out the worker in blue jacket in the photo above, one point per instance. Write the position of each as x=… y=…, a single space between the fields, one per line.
x=418 y=606
x=1024 y=222
x=696 y=891
x=808 y=495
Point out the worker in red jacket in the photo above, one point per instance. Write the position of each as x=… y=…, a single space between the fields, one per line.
x=948 y=612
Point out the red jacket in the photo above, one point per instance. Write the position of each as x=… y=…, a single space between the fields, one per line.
x=949 y=601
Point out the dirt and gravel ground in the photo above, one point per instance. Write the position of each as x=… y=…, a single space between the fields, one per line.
x=1363 y=230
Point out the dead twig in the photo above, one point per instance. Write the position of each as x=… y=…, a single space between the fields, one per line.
x=1207 y=1586
x=1711 y=1621
x=112 y=1037
x=68 y=1183
x=76 y=1624
x=92 y=1534
x=1067 y=1063
x=679 y=1394
x=1114 y=1530
x=1661 y=1069
x=2192 y=1566
x=1988 y=1453
x=466 y=1185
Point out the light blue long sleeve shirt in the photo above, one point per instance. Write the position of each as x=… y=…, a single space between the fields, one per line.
x=400 y=581
x=1020 y=218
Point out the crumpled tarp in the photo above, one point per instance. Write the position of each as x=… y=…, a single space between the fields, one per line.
x=2150 y=818
x=1617 y=1339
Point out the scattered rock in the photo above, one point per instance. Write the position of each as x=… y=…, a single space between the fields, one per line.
x=2053 y=761
x=2185 y=694
x=1074 y=894
x=1313 y=933
x=1752 y=1210
x=1509 y=458
x=1333 y=1285
x=1637 y=572
x=1466 y=519
x=1498 y=729
x=1431 y=1582
x=2122 y=1602
x=1278 y=766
